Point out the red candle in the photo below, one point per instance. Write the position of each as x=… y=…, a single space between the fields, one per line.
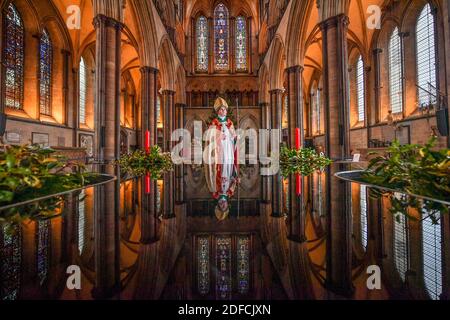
x=147 y=141
x=298 y=145
x=147 y=184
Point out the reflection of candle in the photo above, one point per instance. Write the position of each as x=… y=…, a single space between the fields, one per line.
x=298 y=179
x=147 y=184
x=147 y=141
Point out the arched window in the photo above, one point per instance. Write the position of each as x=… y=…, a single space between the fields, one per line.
x=360 y=89
x=395 y=73
x=317 y=109
x=432 y=264
x=202 y=43
x=426 y=57
x=241 y=44
x=221 y=37
x=45 y=73
x=82 y=74
x=13 y=58
x=363 y=216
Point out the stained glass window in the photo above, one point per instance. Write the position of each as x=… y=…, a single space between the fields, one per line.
x=203 y=265
x=223 y=280
x=202 y=44
x=43 y=250
x=426 y=57
x=432 y=257
x=221 y=37
x=241 y=44
x=45 y=73
x=10 y=264
x=13 y=58
x=360 y=89
x=83 y=90
x=243 y=264
x=395 y=73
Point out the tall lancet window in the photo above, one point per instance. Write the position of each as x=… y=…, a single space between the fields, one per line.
x=45 y=73
x=361 y=94
x=241 y=44
x=82 y=74
x=202 y=44
x=221 y=37
x=395 y=73
x=13 y=58
x=426 y=57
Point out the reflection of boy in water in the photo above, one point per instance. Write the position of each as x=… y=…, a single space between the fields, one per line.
x=222 y=175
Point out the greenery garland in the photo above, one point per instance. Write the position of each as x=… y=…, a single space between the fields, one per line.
x=304 y=161
x=413 y=169
x=139 y=163
x=28 y=172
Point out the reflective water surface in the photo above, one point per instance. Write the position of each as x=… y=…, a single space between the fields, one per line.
x=128 y=243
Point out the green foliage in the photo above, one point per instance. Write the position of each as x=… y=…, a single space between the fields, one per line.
x=139 y=163
x=29 y=172
x=303 y=162
x=413 y=169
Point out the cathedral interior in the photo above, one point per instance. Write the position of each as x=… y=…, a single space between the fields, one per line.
x=91 y=78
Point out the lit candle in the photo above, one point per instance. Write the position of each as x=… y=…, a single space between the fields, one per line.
x=298 y=179
x=147 y=141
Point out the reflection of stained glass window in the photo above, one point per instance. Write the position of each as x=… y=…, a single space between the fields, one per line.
x=223 y=258
x=401 y=243
x=432 y=257
x=241 y=44
x=43 y=250
x=202 y=44
x=83 y=90
x=45 y=73
x=13 y=58
x=81 y=221
x=159 y=192
x=11 y=253
x=243 y=264
x=363 y=217
x=203 y=265
x=221 y=40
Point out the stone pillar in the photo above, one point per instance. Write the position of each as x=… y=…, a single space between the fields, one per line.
x=211 y=45
x=168 y=98
x=403 y=36
x=265 y=124
x=149 y=92
x=335 y=81
x=107 y=119
x=297 y=219
x=377 y=85
x=179 y=170
x=232 y=45
x=277 y=180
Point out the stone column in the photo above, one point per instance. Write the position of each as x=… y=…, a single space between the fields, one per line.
x=211 y=45
x=179 y=170
x=377 y=84
x=107 y=119
x=265 y=124
x=150 y=223
x=277 y=180
x=335 y=81
x=296 y=226
x=232 y=45
x=168 y=98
